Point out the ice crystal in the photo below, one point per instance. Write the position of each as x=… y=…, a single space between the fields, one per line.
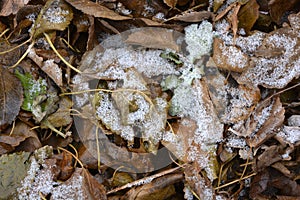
x=199 y=39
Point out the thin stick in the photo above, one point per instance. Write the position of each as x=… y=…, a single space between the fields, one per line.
x=54 y=49
x=235 y=181
x=98 y=148
x=4 y=32
x=23 y=56
x=18 y=46
x=81 y=164
x=143 y=180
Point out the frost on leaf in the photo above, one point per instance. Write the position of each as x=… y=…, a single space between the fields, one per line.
x=232 y=102
x=230 y=58
x=55 y=15
x=199 y=39
x=277 y=61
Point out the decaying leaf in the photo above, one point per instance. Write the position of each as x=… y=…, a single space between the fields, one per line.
x=160 y=188
x=267 y=119
x=171 y=3
x=193 y=16
x=55 y=15
x=11 y=57
x=22 y=138
x=53 y=71
x=13 y=169
x=62 y=117
x=96 y=10
x=279 y=8
x=11 y=97
x=229 y=57
x=277 y=69
x=271 y=183
x=8 y=7
x=154 y=38
x=248 y=15
x=81 y=185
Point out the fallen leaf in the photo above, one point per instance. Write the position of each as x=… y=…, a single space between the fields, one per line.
x=279 y=8
x=55 y=15
x=11 y=97
x=157 y=38
x=9 y=7
x=10 y=58
x=193 y=16
x=22 y=138
x=53 y=71
x=248 y=15
x=83 y=186
x=96 y=10
x=159 y=188
x=267 y=118
x=62 y=117
x=171 y=3
x=230 y=58
x=275 y=71
x=13 y=169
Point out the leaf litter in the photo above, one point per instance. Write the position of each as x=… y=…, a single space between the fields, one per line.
x=216 y=97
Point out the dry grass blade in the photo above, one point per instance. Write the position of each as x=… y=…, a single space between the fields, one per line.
x=54 y=49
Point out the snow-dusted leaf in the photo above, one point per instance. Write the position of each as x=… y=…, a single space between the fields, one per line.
x=193 y=16
x=289 y=134
x=154 y=38
x=11 y=97
x=280 y=65
x=232 y=102
x=267 y=118
x=53 y=71
x=55 y=15
x=81 y=185
x=96 y=10
x=11 y=6
x=230 y=58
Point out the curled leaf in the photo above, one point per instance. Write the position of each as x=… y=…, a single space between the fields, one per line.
x=11 y=97
x=55 y=15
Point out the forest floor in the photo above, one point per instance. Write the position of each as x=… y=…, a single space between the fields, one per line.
x=150 y=99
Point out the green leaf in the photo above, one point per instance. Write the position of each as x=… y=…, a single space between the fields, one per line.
x=32 y=89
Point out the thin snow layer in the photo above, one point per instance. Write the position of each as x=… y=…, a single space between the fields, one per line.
x=199 y=39
x=147 y=62
x=291 y=134
x=275 y=71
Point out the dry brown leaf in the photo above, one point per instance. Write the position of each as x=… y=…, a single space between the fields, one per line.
x=55 y=15
x=248 y=15
x=230 y=58
x=11 y=97
x=154 y=38
x=96 y=10
x=171 y=3
x=53 y=71
x=11 y=57
x=194 y=16
x=9 y=7
x=279 y=8
x=280 y=63
x=22 y=138
x=62 y=117
x=268 y=117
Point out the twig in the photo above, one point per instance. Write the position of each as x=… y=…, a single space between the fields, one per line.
x=143 y=180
